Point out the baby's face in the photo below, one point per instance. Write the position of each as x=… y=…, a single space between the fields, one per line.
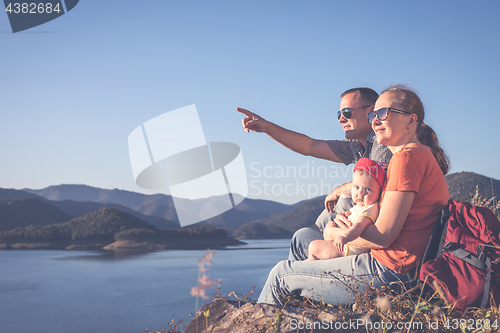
x=365 y=189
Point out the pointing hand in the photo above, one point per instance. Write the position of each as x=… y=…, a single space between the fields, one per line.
x=252 y=122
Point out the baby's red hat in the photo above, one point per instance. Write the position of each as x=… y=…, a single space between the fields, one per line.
x=375 y=169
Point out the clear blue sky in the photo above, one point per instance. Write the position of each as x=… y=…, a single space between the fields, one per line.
x=73 y=89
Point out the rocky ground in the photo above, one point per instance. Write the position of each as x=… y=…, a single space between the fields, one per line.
x=231 y=316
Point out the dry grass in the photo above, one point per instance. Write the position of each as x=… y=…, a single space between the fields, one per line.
x=173 y=327
x=419 y=311
x=492 y=203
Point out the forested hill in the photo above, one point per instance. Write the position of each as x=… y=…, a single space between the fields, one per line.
x=281 y=225
x=462 y=185
x=22 y=212
x=112 y=229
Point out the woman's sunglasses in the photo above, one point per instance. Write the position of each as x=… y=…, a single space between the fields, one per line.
x=382 y=114
x=347 y=112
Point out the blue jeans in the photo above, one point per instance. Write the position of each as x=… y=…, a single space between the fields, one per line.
x=299 y=244
x=331 y=281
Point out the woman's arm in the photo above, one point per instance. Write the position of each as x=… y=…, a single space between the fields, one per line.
x=393 y=213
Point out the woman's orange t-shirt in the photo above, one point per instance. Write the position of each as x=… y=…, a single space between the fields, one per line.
x=413 y=169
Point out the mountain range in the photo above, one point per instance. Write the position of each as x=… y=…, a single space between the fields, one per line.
x=252 y=218
x=21 y=205
x=161 y=205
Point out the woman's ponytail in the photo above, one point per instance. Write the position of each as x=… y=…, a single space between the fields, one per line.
x=428 y=137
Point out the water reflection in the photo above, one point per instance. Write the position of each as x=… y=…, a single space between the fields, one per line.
x=126 y=254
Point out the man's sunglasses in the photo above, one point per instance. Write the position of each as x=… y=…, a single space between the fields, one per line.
x=347 y=112
x=382 y=114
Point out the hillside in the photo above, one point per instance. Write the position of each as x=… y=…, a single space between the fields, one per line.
x=247 y=211
x=462 y=185
x=9 y=193
x=110 y=228
x=281 y=225
x=22 y=212
x=256 y=230
x=304 y=215
x=77 y=209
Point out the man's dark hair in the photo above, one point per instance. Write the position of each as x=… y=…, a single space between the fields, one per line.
x=367 y=95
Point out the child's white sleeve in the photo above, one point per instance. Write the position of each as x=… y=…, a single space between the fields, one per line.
x=370 y=211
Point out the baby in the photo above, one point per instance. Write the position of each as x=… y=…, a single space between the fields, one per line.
x=367 y=181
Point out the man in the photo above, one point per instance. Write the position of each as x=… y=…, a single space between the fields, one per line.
x=355 y=104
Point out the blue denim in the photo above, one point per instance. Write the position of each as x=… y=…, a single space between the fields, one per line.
x=330 y=281
x=324 y=218
x=299 y=244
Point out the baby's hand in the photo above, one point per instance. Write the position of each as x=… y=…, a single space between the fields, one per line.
x=339 y=243
x=341 y=221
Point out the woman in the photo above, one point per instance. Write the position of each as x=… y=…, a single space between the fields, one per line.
x=412 y=196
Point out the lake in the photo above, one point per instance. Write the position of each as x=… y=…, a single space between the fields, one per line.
x=95 y=292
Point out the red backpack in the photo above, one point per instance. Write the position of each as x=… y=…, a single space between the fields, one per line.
x=462 y=255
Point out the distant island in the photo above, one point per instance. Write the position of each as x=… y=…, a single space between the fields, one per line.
x=112 y=229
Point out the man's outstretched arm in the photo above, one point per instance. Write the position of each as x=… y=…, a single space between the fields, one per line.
x=297 y=142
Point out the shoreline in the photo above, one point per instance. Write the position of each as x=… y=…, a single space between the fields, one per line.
x=124 y=245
